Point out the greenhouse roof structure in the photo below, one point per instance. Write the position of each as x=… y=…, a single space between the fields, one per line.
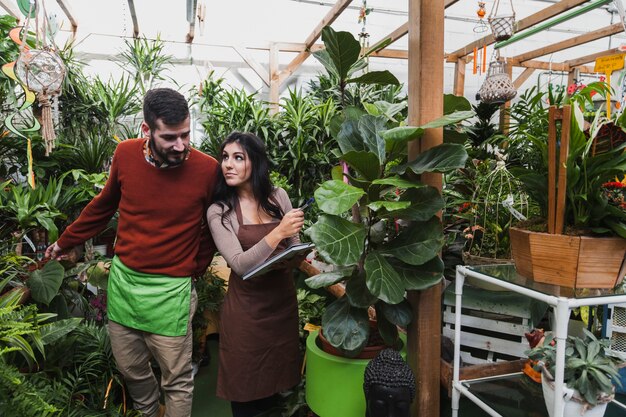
x=250 y=42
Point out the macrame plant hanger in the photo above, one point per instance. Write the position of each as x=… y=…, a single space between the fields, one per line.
x=498 y=87
x=42 y=71
x=502 y=26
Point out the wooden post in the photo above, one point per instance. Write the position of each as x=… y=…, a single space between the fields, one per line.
x=459 y=77
x=426 y=57
x=572 y=76
x=504 y=109
x=274 y=80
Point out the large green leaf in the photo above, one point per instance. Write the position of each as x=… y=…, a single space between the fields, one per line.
x=382 y=279
x=449 y=119
x=401 y=135
x=324 y=58
x=418 y=243
x=370 y=128
x=452 y=103
x=399 y=182
x=376 y=77
x=365 y=163
x=387 y=330
x=336 y=197
x=420 y=277
x=45 y=283
x=337 y=240
x=346 y=327
x=349 y=138
x=399 y=314
x=441 y=159
x=390 y=206
x=328 y=278
x=358 y=294
x=425 y=203
x=52 y=332
x=342 y=48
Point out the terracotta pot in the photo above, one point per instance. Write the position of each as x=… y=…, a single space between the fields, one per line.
x=569 y=261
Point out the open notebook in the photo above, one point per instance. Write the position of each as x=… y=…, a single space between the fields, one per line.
x=301 y=249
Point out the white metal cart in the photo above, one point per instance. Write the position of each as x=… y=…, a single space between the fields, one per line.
x=561 y=299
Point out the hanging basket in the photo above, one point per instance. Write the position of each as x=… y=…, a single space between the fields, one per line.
x=498 y=87
x=502 y=27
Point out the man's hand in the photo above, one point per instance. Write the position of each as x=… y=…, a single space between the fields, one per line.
x=55 y=252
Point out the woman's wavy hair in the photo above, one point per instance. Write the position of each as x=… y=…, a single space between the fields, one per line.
x=262 y=187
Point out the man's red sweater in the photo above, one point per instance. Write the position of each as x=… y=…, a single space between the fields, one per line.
x=160 y=212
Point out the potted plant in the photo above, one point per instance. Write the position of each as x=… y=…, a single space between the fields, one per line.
x=378 y=228
x=586 y=245
x=590 y=374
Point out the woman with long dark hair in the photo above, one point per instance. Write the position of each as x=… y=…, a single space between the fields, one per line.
x=250 y=221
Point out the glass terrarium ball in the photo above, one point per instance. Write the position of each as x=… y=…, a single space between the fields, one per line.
x=40 y=69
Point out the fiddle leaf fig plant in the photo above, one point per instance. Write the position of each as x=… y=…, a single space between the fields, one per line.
x=379 y=226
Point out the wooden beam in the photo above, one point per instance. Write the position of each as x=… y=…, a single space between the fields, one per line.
x=525 y=23
x=521 y=79
x=274 y=95
x=133 y=15
x=404 y=29
x=425 y=92
x=459 y=77
x=569 y=43
x=542 y=65
x=10 y=9
x=256 y=67
x=68 y=12
x=590 y=58
x=330 y=17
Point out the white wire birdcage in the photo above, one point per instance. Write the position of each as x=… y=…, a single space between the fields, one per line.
x=498 y=201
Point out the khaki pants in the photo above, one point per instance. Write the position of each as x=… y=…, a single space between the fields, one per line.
x=134 y=349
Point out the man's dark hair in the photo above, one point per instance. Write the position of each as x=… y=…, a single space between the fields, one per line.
x=166 y=104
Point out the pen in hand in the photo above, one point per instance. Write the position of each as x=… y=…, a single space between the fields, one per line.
x=307 y=204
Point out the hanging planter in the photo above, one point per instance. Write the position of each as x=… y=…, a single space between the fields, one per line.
x=502 y=26
x=42 y=71
x=498 y=87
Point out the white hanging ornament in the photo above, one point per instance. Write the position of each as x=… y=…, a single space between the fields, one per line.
x=498 y=87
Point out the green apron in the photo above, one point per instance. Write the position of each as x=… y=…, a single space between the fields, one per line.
x=152 y=303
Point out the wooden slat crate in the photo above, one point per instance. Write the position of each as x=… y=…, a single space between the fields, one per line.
x=493 y=324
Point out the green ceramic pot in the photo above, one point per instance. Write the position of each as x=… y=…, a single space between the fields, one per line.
x=334 y=384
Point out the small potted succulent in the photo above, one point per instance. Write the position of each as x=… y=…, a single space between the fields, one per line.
x=590 y=374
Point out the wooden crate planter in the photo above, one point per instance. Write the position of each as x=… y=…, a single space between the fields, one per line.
x=569 y=261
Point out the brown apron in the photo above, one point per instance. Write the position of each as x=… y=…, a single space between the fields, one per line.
x=259 y=345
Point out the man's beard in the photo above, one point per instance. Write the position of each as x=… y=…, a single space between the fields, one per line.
x=165 y=156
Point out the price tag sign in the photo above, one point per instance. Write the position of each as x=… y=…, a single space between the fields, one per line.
x=608 y=64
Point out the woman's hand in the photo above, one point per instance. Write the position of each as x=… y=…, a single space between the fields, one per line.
x=290 y=225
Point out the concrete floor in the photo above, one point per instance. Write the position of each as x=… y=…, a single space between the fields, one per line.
x=206 y=404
